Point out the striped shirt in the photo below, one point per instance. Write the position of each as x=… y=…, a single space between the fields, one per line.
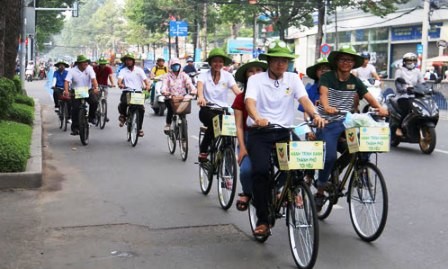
x=341 y=94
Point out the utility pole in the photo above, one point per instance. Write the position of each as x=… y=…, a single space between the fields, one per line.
x=425 y=28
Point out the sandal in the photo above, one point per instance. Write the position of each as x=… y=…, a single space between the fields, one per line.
x=122 y=120
x=203 y=157
x=243 y=202
x=141 y=133
x=262 y=230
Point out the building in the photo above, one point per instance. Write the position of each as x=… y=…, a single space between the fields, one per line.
x=387 y=39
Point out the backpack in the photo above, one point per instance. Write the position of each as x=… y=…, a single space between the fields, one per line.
x=432 y=76
x=157 y=68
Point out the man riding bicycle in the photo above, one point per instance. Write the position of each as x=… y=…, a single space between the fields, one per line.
x=175 y=83
x=104 y=73
x=132 y=77
x=82 y=75
x=58 y=83
x=270 y=100
x=338 y=91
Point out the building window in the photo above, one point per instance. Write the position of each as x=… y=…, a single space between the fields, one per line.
x=379 y=58
x=380 y=33
x=362 y=35
x=344 y=37
x=330 y=38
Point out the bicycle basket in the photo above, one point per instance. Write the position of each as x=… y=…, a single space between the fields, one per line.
x=180 y=106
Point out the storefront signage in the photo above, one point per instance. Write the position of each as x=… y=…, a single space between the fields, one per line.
x=414 y=32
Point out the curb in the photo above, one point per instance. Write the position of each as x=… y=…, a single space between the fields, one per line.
x=32 y=177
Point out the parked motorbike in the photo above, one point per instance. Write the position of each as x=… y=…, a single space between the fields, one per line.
x=158 y=105
x=373 y=86
x=413 y=116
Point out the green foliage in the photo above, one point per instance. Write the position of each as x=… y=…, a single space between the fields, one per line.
x=15 y=141
x=21 y=113
x=23 y=99
x=7 y=93
x=18 y=84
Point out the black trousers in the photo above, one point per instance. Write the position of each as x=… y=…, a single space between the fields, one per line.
x=206 y=116
x=122 y=107
x=76 y=103
x=169 y=112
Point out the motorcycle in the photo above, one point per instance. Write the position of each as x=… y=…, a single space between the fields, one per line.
x=42 y=74
x=413 y=116
x=29 y=75
x=158 y=105
x=193 y=76
x=373 y=86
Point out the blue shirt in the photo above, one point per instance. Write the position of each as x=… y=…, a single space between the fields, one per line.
x=60 y=78
x=313 y=94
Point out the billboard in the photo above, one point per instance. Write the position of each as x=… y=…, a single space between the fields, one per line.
x=240 y=46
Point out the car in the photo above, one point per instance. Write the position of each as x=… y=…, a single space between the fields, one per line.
x=201 y=66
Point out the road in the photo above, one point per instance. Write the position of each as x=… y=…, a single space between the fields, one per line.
x=108 y=205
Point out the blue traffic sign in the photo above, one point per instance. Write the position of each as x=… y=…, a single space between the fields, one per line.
x=325 y=49
x=419 y=49
x=178 y=28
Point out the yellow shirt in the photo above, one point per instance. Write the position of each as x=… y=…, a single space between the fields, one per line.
x=157 y=71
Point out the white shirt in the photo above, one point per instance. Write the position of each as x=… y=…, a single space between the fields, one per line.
x=133 y=79
x=80 y=78
x=412 y=77
x=217 y=93
x=365 y=73
x=276 y=104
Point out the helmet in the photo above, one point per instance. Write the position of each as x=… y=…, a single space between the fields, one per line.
x=365 y=55
x=410 y=57
x=190 y=60
x=174 y=64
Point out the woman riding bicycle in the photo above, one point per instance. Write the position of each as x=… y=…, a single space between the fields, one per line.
x=242 y=75
x=338 y=89
x=212 y=88
x=175 y=83
x=270 y=100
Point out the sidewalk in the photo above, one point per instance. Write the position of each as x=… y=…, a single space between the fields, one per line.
x=32 y=177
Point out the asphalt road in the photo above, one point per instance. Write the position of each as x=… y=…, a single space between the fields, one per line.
x=108 y=205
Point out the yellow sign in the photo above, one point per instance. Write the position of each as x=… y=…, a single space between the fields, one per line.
x=228 y=127
x=137 y=98
x=303 y=155
x=216 y=128
x=81 y=92
x=371 y=139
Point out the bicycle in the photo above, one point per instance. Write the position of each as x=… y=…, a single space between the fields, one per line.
x=82 y=93
x=63 y=110
x=135 y=100
x=292 y=199
x=221 y=161
x=101 y=112
x=179 y=127
x=366 y=189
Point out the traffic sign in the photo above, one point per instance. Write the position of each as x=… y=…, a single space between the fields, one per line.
x=325 y=49
x=419 y=49
x=178 y=28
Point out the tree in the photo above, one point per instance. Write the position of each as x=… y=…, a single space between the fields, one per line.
x=10 y=25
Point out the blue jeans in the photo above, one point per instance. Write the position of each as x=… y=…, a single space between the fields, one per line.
x=246 y=172
x=330 y=135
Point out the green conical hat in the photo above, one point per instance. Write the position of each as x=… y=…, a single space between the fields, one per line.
x=311 y=71
x=128 y=56
x=240 y=74
x=277 y=48
x=217 y=52
x=102 y=60
x=348 y=50
x=81 y=59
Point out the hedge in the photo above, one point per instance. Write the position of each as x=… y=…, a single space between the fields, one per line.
x=15 y=141
x=21 y=113
x=18 y=85
x=7 y=93
x=23 y=99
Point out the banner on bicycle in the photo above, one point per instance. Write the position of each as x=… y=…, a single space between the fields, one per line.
x=368 y=139
x=227 y=128
x=300 y=155
x=136 y=98
x=81 y=92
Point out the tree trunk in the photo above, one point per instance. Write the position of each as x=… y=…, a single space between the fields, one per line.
x=13 y=23
x=320 y=22
x=204 y=25
x=2 y=39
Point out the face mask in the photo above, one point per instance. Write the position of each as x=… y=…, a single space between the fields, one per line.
x=175 y=67
x=410 y=66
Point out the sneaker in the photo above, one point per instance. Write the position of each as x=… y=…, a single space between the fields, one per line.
x=202 y=157
x=93 y=121
x=141 y=133
x=74 y=132
x=319 y=199
x=121 y=120
x=56 y=109
x=69 y=121
x=166 y=129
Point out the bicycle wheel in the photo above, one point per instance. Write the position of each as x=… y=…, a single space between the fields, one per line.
x=253 y=222
x=205 y=177
x=303 y=229
x=227 y=175
x=103 y=113
x=368 y=202
x=172 y=136
x=61 y=114
x=83 y=126
x=134 y=127
x=64 y=108
x=183 y=138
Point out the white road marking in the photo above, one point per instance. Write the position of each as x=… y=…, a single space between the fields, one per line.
x=441 y=151
x=194 y=136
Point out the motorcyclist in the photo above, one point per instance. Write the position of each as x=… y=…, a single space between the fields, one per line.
x=366 y=70
x=405 y=76
x=30 y=69
x=157 y=70
x=190 y=69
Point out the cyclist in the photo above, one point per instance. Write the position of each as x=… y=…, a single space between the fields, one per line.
x=104 y=73
x=212 y=88
x=270 y=100
x=175 y=83
x=338 y=89
x=157 y=70
x=241 y=75
x=366 y=70
x=58 y=83
x=133 y=77
x=82 y=75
